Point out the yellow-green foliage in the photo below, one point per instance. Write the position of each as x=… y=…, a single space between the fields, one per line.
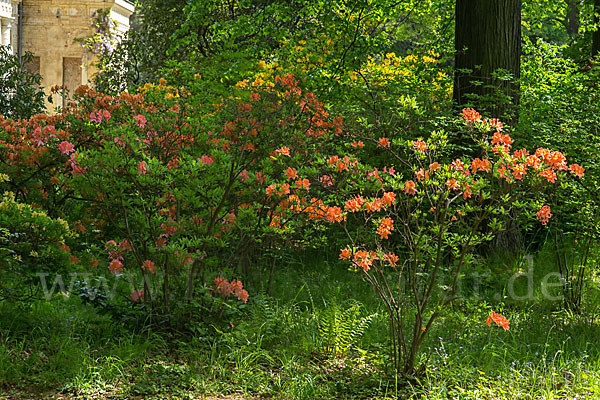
x=30 y=242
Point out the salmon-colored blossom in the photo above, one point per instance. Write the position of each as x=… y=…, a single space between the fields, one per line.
x=410 y=188
x=334 y=214
x=576 y=169
x=519 y=170
x=383 y=142
x=354 y=204
x=142 y=168
x=452 y=184
x=501 y=139
x=391 y=258
x=149 y=266
x=420 y=146
x=522 y=153
x=483 y=165
x=534 y=161
x=363 y=259
x=500 y=320
x=549 y=174
x=421 y=174
x=137 y=296
x=470 y=116
x=303 y=184
x=386 y=226
x=115 y=267
x=544 y=215
x=291 y=173
x=434 y=166
x=66 y=147
x=284 y=151
x=345 y=254
x=389 y=198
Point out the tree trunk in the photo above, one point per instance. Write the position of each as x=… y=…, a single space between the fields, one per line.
x=488 y=38
x=596 y=36
x=572 y=20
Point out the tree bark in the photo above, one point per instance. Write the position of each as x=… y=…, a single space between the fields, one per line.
x=488 y=38
x=596 y=36
x=572 y=21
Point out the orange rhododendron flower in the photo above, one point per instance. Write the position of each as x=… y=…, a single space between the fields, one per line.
x=483 y=165
x=577 y=170
x=495 y=123
x=391 y=258
x=543 y=215
x=334 y=214
x=519 y=170
x=345 y=254
x=452 y=184
x=470 y=116
x=420 y=146
x=522 y=153
x=389 y=198
x=303 y=184
x=421 y=174
x=363 y=259
x=434 y=166
x=410 y=187
x=284 y=151
x=557 y=160
x=115 y=266
x=354 y=204
x=549 y=174
x=137 y=296
x=543 y=153
x=500 y=139
x=291 y=173
x=500 y=320
x=386 y=226
x=383 y=142
x=458 y=165
x=534 y=161
x=149 y=266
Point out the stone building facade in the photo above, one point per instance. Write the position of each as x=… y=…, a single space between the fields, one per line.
x=52 y=31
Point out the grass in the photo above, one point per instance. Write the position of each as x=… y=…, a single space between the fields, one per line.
x=274 y=350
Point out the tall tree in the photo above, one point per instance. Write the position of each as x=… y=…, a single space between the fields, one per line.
x=596 y=37
x=572 y=22
x=488 y=39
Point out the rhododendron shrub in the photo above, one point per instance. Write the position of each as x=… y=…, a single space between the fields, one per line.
x=178 y=193
x=413 y=229
x=34 y=153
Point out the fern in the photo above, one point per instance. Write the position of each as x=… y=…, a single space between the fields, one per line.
x=340 y=329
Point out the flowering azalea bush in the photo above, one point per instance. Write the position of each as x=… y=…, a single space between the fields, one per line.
x=412 y=229
x=169 y=196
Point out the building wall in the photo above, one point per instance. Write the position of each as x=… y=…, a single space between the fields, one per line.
x=51 y=29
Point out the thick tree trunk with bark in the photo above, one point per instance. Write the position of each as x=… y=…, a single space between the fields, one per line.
x=596 y=36
x=488 y=38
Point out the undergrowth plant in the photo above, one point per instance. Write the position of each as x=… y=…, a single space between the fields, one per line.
x=341 y=329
